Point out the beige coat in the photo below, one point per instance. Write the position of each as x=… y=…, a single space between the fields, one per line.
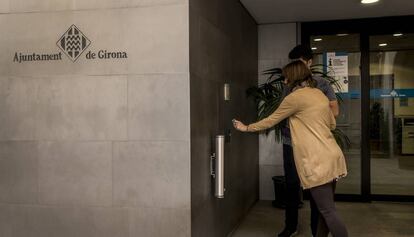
x=318 y=158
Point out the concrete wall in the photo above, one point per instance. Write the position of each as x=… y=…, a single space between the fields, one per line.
x=223 y=48
x=95 y=147
x=275 y=42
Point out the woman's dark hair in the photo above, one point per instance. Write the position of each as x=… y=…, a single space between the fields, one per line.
x=301 y=51
x=297 y=73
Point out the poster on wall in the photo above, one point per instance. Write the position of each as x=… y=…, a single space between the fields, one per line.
x=337 y=67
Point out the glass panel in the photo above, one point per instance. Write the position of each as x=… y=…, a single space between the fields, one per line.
x=392 y=114
x=346 y=48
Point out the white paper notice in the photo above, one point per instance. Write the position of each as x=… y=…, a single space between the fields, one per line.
x=338 y=68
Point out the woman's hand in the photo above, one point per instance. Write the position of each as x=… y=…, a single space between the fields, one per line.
x=239 y=125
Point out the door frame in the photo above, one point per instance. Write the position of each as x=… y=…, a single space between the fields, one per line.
x=365 y=28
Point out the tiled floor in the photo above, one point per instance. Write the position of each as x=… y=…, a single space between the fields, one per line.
x=377 y=219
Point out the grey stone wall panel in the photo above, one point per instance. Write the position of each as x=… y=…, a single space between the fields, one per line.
x=82 y=108
x=18 y=172
x=267 y=191
x=44 y=221
x=75 y=173
x=95 y=147
x=158 y=107
x=153 y=37
x=160 y=222
x=275 y=43
x=17 y=108
x=152 y=174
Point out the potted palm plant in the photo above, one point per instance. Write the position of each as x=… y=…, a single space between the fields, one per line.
x=268 y=96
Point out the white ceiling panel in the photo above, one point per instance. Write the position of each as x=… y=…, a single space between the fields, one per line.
x=279 y=11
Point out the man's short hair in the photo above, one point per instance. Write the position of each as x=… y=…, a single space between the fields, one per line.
x=301 y=52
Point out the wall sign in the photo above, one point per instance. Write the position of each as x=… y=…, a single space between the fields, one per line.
x=337 y=64
x=73 y=43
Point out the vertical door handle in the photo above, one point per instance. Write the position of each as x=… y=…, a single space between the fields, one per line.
x=217 y=167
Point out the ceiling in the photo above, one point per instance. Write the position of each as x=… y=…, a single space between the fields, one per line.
x=280 y=11
x=350 y=43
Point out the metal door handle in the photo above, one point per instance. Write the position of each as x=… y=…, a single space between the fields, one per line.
x=217 y=167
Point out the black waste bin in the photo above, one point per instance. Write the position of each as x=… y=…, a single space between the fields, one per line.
x=279 y=183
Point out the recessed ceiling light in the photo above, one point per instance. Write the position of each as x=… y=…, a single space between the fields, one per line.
x=368 y=1
x=341 y=34
x=317 y=39
x=382 y=44
x=314 y=48
x=397 y=34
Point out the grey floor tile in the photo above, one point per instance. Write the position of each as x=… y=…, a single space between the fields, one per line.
x=377 y=219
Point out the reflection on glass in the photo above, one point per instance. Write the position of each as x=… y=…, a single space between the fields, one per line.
x=349 y=119
x=392 y=114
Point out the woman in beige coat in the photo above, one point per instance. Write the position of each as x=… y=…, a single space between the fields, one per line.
x=318 y=158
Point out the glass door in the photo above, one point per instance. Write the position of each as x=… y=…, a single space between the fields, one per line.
x=339 y=55
x=391 y=130
x=374 y=59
